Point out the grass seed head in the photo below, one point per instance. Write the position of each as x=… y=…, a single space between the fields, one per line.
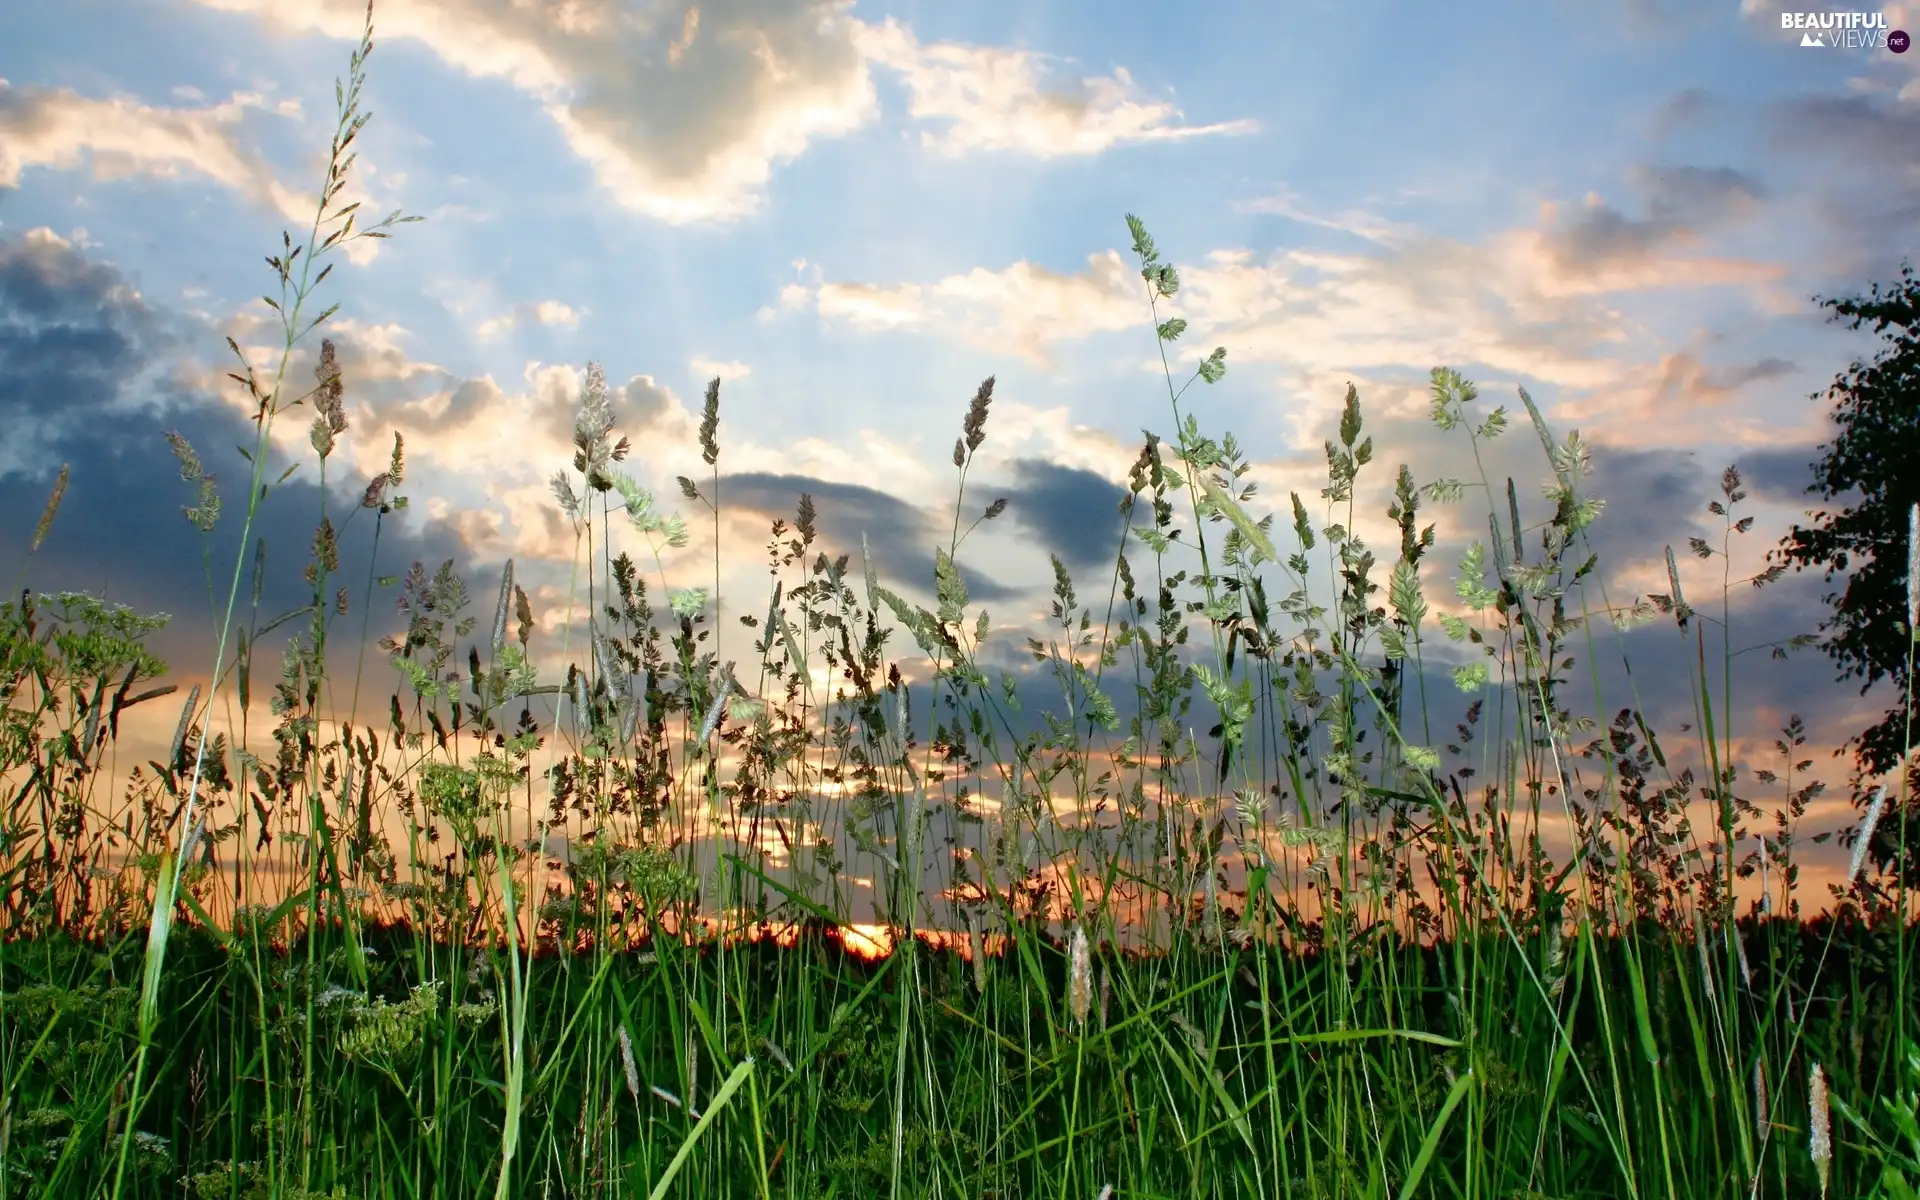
x=1913 y=570
x=1820 y=1126
x=1080 y=978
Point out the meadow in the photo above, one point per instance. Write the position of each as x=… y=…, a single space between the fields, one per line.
x=1329 y=875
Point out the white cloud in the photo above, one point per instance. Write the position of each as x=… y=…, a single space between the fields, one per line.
x=992 y=98
x=541 y=312
x=867 y=306
x=727 y=372
x=1024 y=308
x=1541 y=302
x=61 y=129
x=683 y=112
x=118 y=138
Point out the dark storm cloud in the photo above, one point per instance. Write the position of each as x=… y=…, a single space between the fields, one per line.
x=1767 y=368
x=1074 y=513
x=1831 y=124
x=1782 y=474
x=1655 y=497
x=1602 y=233
x=83 y=380
x=1680 y=200
x=1682 y=109
x=1700 y=194
x=901 y=536
x=1856 y=153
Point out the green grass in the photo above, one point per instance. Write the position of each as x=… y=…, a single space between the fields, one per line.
x=1293 y=938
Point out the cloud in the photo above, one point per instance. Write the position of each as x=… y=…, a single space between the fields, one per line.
x=1685 y=398
x=726 y=372
x=61 y=129
x=1655 y=497
x=83 y=363
x=541 y=312
x=683 y=112
x=1287 y=202
x=862 y=305
x=1532 y=301
x=1684 y=109
x=1860 y=158
x=992 y=98
x=902 y=536
x=1598 y=247
x=1024 y=308
x=1698 y=195
x=1073 y=512
x=1782 y=473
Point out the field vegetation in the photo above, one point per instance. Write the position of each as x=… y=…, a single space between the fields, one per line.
x=1331 y=873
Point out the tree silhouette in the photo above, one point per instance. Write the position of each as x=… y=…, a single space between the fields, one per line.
x=1873 y=464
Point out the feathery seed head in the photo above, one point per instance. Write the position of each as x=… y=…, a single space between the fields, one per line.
x=523 y=612
x=591 y=427
x=718 y=709
x=326 y=547
x=1080 y=979
x=804 y=519
x=1673 y=581
x=204 y=515
x=499 y=640
x=1913 y=570
x=975 y=426
x=53 y=506
x=977 y=951
x=330 y=420
x=1864 y=835
x=377 y=491
x=688 y=603
x=190 y=469
x=710 y=424
x=1820 y=1126
x=186 y=723
x=627 y=1065
x=563 y=492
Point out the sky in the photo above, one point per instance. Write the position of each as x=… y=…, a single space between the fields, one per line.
x=852 y=214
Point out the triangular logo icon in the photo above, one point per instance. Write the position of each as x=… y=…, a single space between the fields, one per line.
x=1812 y=39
